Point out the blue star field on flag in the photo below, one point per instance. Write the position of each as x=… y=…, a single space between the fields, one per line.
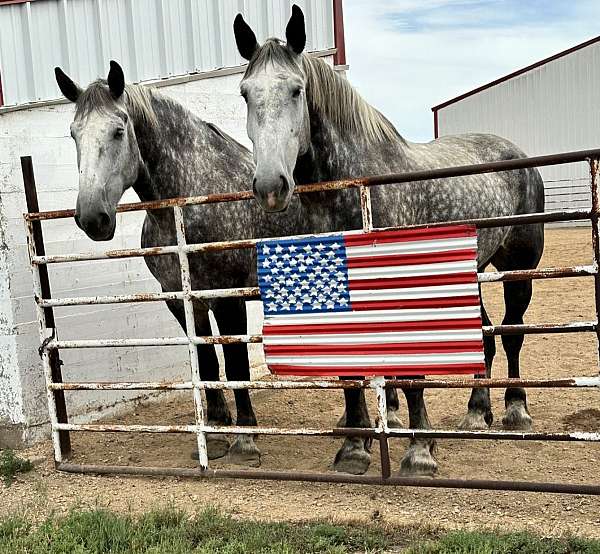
x=308 y=275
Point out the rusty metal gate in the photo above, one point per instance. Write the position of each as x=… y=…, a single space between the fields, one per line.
x=50 y=346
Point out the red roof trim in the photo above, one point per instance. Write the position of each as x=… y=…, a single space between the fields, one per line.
x=338 y=32
x=517 y=73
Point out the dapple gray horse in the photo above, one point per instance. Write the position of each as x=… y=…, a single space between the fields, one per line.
x=132 y=136
x=308 y=124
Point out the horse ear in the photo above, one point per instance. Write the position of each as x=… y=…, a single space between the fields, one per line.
x=244 y=38
x=295 y=32
x=116 y=80
x=70 y=89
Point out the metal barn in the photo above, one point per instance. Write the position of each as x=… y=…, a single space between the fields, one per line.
x=187 y=48
x=550 y=106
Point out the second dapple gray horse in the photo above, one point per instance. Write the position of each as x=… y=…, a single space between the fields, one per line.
x=308 y=124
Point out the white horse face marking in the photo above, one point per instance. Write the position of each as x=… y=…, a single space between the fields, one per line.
x=278 y=117
x=279 y=127
x=108 y=159
x=108 y=156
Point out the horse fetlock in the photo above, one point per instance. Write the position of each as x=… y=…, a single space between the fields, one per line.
x=353 y=457
x=419 y=460
x=517 y=416
x=217 y=446
x=476 y=420
x=393 y=420
x=244 y=451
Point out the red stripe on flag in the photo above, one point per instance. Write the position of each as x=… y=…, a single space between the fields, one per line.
x=416 y=303
x=328 y=328
x=396 y=371
x=406 y=235
x=413 y=259
x=406 y=282
x=375 y=349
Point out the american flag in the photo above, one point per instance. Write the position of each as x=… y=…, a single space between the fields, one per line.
x=380 y=303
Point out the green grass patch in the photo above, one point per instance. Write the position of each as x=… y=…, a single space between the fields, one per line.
x=11 y=464
x=171 y=531
x=174 y=532
x=486 y=542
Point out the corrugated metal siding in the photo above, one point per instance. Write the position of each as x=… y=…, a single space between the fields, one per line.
x=152 y=39
x=550 y=109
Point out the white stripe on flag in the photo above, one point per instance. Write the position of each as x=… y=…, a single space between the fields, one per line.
x=388 y=272
x=374 y=338
x=417 y=247
x=414 y=293
x=374 y=316
x=369 y=361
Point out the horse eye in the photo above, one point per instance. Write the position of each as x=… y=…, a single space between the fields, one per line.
x=296 y=92
x=119 y=132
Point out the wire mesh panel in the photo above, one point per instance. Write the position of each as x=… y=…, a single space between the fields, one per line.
x=381 y=432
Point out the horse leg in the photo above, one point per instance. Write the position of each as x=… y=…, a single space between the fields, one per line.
x=523 y=250
x=418 y=459
x=517 y=295
x=231 y=318
x=217 y=411
x=354 y=456
x=479 y=415
x=393 y=405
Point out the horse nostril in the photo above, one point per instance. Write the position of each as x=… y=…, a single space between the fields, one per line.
x=103 y=220
x=283 y=188
x=254 y=185
x=77 y=221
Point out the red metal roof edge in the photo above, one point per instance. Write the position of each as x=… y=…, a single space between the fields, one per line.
x=338 y=33
x=516 y=73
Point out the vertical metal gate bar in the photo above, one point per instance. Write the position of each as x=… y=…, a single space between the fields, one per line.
x=46 y=316
x=595 y=213
x=44 y=352
x=378 y=383
x=365 y=209
x=190 y=324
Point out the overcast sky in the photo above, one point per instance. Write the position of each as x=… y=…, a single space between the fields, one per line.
x=406 y=56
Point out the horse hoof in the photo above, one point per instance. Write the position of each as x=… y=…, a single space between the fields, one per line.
x=517 y=417
x=474 y=421
x=244 y=452
x=217 y=446
x=418 y=461
x=393 y=420
x=352 y=457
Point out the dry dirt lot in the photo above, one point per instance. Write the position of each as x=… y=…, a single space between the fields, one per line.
x=551 y=356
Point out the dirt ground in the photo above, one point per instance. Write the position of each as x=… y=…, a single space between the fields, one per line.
x=552 y=356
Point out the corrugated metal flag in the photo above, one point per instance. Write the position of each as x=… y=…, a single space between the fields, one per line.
x=381 y=303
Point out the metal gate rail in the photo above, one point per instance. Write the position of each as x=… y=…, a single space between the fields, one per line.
x=382 y=433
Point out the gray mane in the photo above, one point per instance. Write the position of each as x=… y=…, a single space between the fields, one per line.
x=328 y=93
x=137 y=99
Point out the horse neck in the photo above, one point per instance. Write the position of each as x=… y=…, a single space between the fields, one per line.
x=335 y=153
x=170 y=151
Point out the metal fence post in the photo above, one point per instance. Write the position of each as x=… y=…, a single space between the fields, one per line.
x=190 y=324
x=594 y=215
x=46 y=315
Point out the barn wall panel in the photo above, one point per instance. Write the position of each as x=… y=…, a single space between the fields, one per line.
x=152 y=39
x=550 y=109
